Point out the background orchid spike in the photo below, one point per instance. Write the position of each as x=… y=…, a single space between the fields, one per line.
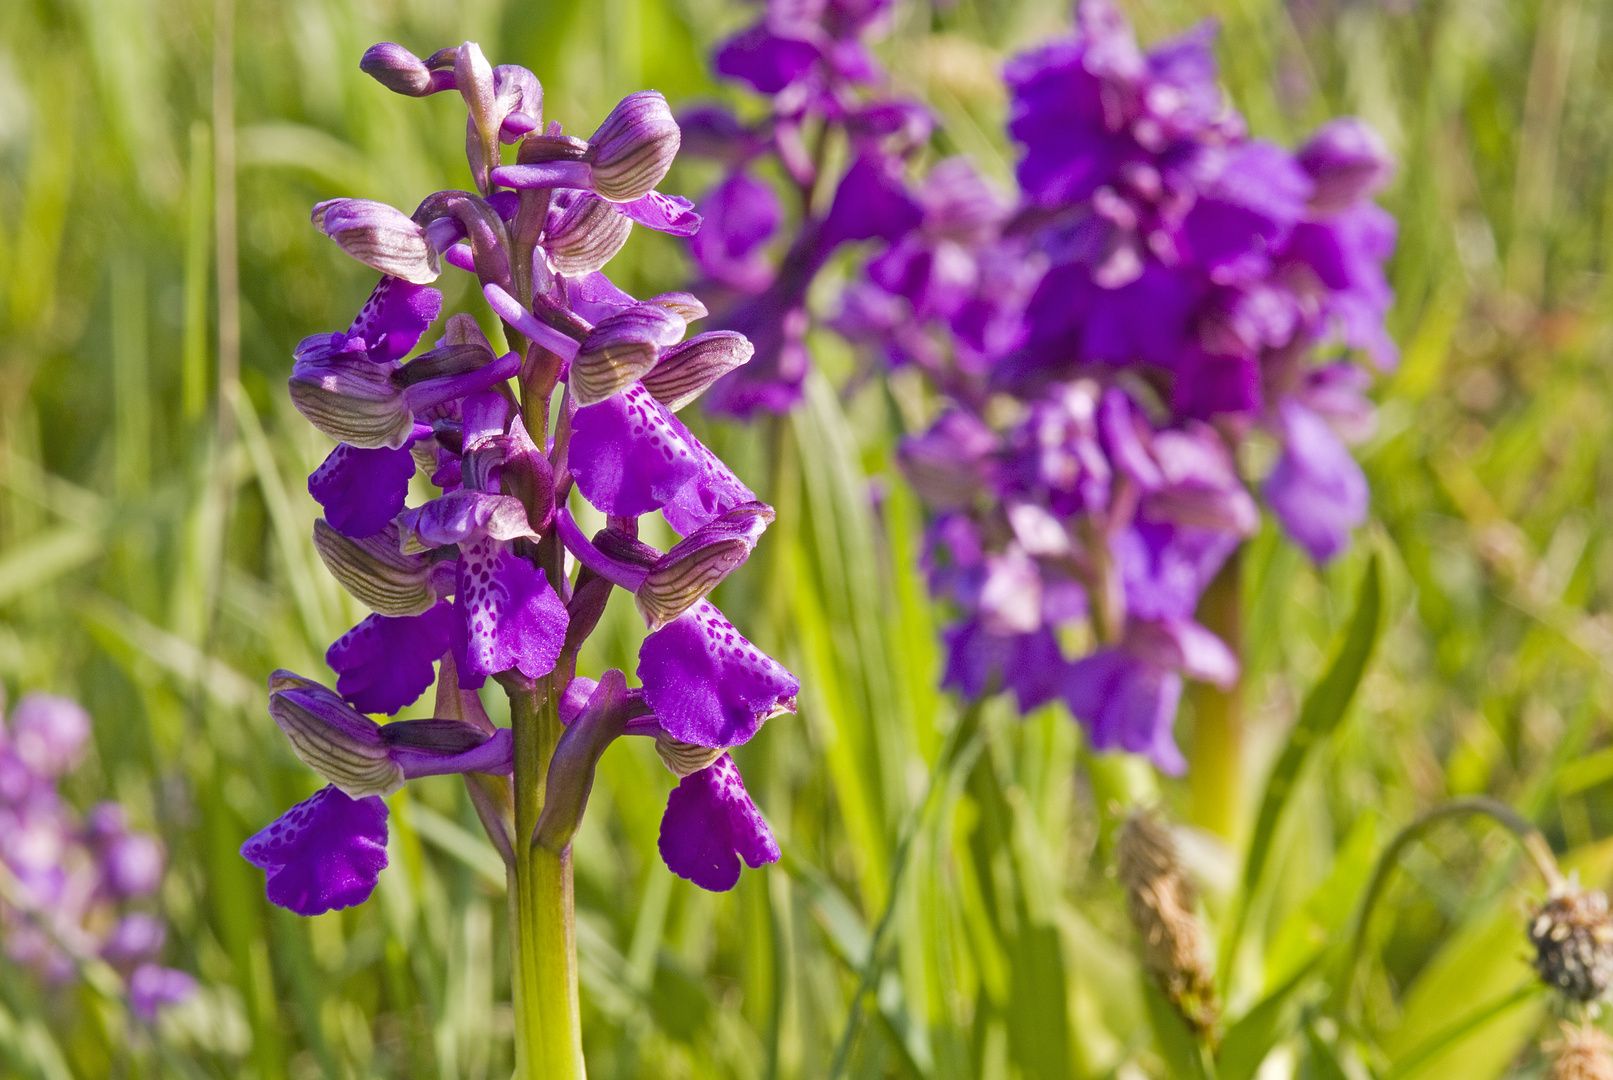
x=78 y=888
x=1166 y=286
x=473 y=581
x=813 y=62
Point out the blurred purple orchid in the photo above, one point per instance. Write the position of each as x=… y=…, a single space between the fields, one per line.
x=1103 y=349
x=812 y=60
x=82 y=887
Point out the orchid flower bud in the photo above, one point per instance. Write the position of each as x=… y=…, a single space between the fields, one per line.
x=697 y=564
x=473 y=75
x=381 y=237
x=402 y=72
x=376 y=571
x=686 y=370
x=359 y=402
x=444 y=362
x=571 y=770
x=475 y=219
x=583 y=235
x=520 y=101
x=621 y=348
x=634 y=147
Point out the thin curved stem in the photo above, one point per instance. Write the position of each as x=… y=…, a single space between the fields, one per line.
x=1533 y=843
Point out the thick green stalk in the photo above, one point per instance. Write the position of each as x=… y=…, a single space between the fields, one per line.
x=1216 y=771
x=543 y=938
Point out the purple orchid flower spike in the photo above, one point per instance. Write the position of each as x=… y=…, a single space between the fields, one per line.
x=473 y=581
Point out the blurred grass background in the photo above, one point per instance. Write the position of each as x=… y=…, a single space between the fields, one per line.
x=157 y=161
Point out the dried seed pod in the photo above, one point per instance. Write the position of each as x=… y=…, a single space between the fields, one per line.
x=1572 y=933
x=1584 y=1054
x=1160 y=899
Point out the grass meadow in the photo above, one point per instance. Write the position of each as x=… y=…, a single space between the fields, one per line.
x=157 y=162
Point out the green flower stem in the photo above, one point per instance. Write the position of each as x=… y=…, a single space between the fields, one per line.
x=543 y=933
x=1215 y=773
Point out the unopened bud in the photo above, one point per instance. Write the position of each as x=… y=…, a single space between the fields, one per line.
x=685 y=759
x=622 y=347
x=381 y=237
x=336 y=741
x=1160 y=899
x=687 y=370
x=620 y=546
x=351 y=398
x=584 y=235
x=520 y=101
x=697 y=564
x=473 y=76
x=1572 y=933
x=402 y=72
x=571 y=771
x=378 y=575
x=634 y=147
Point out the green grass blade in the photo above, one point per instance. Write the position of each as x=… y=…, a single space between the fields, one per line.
x=1325 y=707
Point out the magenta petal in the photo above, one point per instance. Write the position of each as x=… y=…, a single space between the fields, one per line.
x=714 y=491
x=464 y=515
x=664 y=213
x=384 y=663
x=361 y=490
x=1030 y=665
x=393 y=318
x=630 y=456
x=512 y=618
x=324 y=853
x=710 y=824
x=1316 y=489
x=707 y=684
x=1128 y=704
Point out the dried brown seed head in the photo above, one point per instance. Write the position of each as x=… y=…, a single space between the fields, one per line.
x=1585 y=1054
x=1160 y=899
